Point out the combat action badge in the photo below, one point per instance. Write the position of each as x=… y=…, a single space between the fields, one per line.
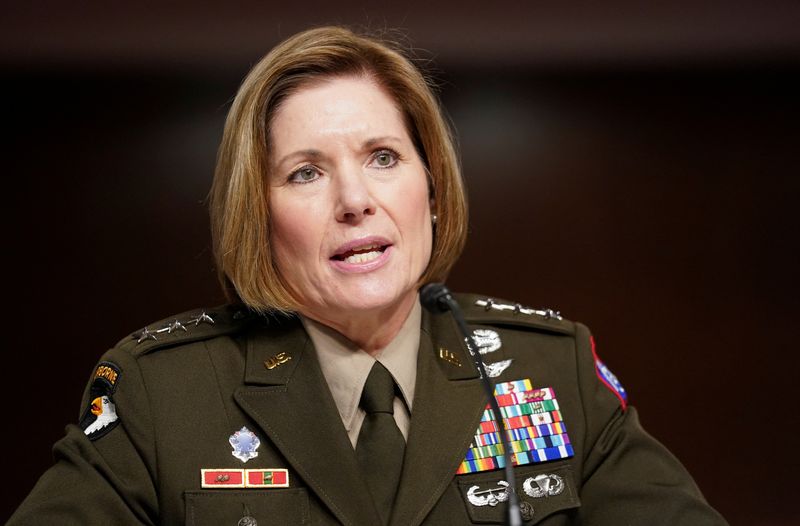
x=101 y=415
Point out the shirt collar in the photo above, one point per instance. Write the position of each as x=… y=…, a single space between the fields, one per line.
x=346 y=367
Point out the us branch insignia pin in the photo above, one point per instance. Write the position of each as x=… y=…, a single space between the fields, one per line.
x=449 y=357
x=244 y=443
x=101 y=415
x=277 y=360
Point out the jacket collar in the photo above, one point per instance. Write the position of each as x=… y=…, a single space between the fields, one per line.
x=291 y=402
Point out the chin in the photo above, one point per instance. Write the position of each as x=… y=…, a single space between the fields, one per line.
x=373 y=297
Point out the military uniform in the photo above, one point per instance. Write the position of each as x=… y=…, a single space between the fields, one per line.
x=174 y=394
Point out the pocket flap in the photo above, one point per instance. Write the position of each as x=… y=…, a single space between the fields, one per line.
x=273 y=506
x=541 y=489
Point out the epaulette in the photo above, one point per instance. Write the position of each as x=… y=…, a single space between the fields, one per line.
x=190 y=326
x=493 y=311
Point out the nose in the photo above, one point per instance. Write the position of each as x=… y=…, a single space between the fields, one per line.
x=354 y=200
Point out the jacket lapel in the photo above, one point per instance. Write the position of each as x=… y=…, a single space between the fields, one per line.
x=294 y=407
x=448 y=404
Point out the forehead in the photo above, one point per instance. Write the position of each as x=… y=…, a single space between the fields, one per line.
x=336 y=107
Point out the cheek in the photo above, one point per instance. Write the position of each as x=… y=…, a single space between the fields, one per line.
x=289 y=236
x=419 y=219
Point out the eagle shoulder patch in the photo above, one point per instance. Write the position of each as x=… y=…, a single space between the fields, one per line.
x=100 y=416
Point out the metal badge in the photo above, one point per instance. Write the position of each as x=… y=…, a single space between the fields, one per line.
x=146 y=334
x=487 y=340
x=176 y=326
x=493 y=370
x=548 y=314
x=244 y=443
x=449 y=357
x=247 y=519
x=488 y=497
x=173 y=326
x=526 y=510
x=279 y=359
x=540 y=486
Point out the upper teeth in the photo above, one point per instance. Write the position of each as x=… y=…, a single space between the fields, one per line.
x=363 y=257
x=365 y=247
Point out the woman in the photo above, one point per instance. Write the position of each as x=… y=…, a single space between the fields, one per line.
x=324 y=394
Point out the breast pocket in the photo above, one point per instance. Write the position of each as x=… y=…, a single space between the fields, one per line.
x=542 y=490
x=263 y=507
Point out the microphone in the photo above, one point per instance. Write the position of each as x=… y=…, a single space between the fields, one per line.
x=436 y=298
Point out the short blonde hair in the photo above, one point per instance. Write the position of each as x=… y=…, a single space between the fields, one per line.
x=240 y=216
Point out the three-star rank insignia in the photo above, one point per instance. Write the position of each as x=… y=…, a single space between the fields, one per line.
x=536 y=430
x=100 y=416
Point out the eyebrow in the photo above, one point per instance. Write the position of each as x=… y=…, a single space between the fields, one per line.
x=311 y=154
x=377 y=140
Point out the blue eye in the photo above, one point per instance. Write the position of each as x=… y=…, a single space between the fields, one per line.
x=306 y=174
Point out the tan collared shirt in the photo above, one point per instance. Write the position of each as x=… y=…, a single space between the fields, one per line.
x=346 y=368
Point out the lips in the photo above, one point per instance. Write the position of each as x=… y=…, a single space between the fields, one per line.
x=361 y=254
x=361 y=250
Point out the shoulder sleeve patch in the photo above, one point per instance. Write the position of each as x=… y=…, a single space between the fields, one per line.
x=100 y=416
x=608 y=378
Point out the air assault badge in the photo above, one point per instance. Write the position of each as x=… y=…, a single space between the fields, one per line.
x=100 y=416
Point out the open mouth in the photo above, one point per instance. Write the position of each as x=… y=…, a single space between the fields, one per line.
x=361 y=254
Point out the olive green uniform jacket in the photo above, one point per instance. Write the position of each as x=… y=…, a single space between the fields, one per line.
x=180 y=397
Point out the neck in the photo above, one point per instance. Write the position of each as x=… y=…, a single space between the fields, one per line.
x=370 y=330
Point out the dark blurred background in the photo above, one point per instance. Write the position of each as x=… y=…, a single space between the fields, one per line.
x=633 y=165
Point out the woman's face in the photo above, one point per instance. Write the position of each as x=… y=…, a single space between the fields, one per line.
x=350 y=213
